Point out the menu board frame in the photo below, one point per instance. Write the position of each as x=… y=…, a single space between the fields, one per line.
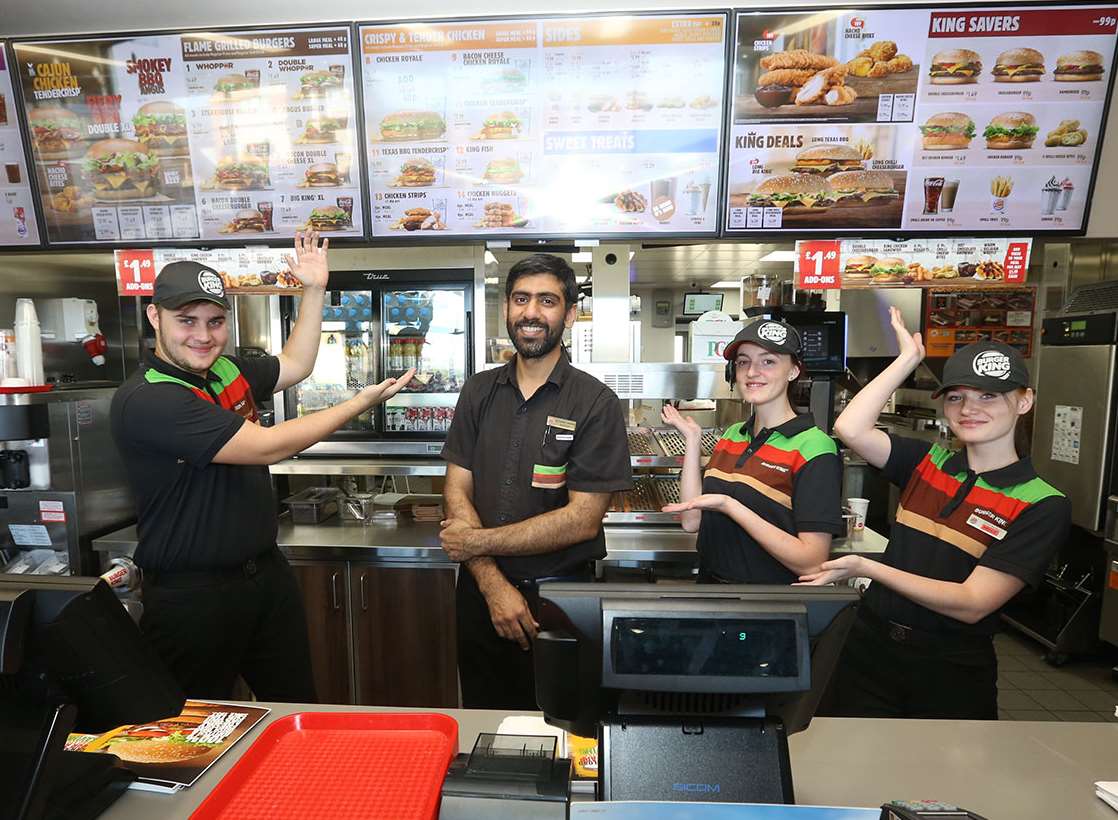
x=358 y=238
x=901 y=231
x=17 y=112
x=718 y=175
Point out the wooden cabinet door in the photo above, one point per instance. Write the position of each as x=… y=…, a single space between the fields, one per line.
x=404 y=638
x=324 y=597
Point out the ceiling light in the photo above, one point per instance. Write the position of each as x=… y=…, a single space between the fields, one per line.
x=727 y=283
x=490 y=259
x=779 y=256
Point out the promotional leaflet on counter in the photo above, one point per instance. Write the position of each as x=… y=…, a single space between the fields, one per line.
x=584 y=125
x=240 y=135
x=17 y=213
x=917 y=119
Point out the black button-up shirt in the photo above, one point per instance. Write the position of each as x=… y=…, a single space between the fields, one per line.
x=525 y=455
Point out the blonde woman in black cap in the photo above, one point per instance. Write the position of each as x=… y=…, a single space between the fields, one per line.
x=973 y=528
x=768 y=504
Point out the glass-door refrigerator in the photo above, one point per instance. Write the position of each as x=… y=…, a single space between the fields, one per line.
x=377 y=325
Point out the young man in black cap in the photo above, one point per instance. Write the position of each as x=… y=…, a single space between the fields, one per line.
x=769 y=501
x=534 y=452
x=219 y=598
x=973 y=528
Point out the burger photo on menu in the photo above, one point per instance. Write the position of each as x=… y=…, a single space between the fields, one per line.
x=1019 y=65
x=323 y=130
x=412 y=125
x=161 y=126
x=504 y=125
x=121 y=169
x=318 y=84
x=56 y=132
x=1078 y=67
x=230 y=84
x=947 y=131
x=955 y=66
x=329 y=218
x=503 y=172
x=249 y=220
x=321 y=175
x=828 y=159
x=241 y=173
x=415 y=172
x=889 y=270
x=859 y=189
x=795 y=194
x=1012 y=130
x=858 y=269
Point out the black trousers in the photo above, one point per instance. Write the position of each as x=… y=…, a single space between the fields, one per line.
x=495 y=673
x=210 y=627
x=883 y=673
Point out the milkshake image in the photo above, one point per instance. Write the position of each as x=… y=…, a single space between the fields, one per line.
x=694 y=198
x=1066 y=190
x=1049 y=194
x=705 y=187
x=947 y=198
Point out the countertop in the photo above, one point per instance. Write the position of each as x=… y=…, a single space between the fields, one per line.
x=1004 y=770
x=405 y=540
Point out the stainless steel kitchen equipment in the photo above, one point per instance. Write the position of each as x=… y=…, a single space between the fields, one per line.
x=1108 y=621
x=378 y=324
x=82 y=493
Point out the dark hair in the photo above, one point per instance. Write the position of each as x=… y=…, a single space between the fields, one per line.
x=545 y=263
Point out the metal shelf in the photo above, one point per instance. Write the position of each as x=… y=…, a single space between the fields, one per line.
x=358 y=466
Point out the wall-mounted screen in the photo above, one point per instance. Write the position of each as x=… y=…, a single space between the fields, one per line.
x=17 y=212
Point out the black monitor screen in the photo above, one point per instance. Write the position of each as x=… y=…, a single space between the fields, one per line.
x=722 y=647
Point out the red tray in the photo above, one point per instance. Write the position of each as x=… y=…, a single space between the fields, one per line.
x=337 y=765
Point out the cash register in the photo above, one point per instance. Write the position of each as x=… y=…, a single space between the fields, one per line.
x=691 y=690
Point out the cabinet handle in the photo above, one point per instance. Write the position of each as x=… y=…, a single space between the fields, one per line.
x=334 y=590
x=364 y=595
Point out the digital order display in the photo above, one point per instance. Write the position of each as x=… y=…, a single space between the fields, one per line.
x=715 y=647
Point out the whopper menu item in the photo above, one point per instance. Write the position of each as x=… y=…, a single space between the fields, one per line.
x=18 y=225
x=603 y=125
x=921 y=120
x=228 y=135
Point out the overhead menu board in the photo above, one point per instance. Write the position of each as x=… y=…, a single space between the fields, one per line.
x=580 y=125
x=215 y=136
x=17 y=213
x=918 y=120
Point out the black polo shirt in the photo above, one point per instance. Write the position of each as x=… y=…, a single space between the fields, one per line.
x=526 y=455
x=168 y=425
x=791 y=476
x=951 y=520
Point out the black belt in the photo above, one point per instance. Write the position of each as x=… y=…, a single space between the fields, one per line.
x=922 y=638
x=190 y=577
x=578 y=575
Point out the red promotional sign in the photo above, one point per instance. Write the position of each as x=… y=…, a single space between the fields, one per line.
x=135 y=273
x=1016 y=261
x=818 y=265
x=1023 y=22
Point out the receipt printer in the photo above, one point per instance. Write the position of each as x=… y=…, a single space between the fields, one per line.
x=508 y=776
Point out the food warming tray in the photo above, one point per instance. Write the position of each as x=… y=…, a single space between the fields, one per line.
x=642 y=504
x=337 y=766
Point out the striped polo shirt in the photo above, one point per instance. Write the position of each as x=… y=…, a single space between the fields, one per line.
x=791 y=476
x=951 y=520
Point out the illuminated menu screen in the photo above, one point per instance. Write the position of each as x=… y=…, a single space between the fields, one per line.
x=17 y=212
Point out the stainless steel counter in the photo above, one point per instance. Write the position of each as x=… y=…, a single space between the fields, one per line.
x=405 y=540
x=1007 y=769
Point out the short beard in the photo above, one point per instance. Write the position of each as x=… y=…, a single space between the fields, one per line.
x=165 y=354
x=537 y=349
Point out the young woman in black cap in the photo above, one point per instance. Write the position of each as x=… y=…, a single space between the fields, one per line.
x=973 y=527
x=768 y=504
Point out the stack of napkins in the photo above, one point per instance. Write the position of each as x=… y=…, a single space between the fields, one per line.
x=1107 y=791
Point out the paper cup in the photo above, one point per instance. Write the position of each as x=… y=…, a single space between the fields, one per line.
x=859 y=506
x=13 y=381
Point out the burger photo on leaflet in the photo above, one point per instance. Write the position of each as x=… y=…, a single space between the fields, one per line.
x=121 y=169
x=161 y=126
x=56 y=132
x=955 y=66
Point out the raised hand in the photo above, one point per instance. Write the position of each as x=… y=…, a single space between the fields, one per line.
x=309 y=265
x=910 y=345
x=684 y=424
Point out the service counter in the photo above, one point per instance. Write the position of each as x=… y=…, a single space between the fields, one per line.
x=1000 y=769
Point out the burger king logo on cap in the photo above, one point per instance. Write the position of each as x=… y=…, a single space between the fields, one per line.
x=211 y=283
x=992 y=364
x=773 y=332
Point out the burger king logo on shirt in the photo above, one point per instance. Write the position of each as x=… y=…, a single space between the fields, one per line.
x=773 y=332
x=211 y=283
x=992 y=364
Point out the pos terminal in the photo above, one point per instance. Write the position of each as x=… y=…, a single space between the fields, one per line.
x=691 y=690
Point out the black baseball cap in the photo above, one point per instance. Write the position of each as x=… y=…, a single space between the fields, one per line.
x=992 y=366
x=180 y=283
x=771 y=334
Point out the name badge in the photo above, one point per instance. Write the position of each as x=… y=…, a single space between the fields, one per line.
x=982 y=525
x=562 y=424
x=564 y=436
